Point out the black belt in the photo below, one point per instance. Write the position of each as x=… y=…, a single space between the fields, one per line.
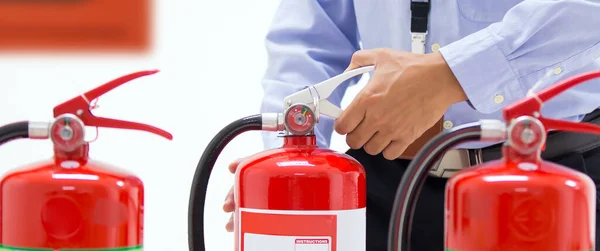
x=557 y=144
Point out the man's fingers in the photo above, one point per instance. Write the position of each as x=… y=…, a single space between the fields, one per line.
x=356 y=111
x=350 y=118
x=359 y=136
x=233 y=165
x=229 y=207
x=229 y=204
x=363 y=58
x=394 y=150
x=229 y=225
x=377 y=143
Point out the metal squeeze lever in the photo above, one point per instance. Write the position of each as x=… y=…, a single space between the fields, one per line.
x=80 y=107
x=532 y=106
x=317 y=94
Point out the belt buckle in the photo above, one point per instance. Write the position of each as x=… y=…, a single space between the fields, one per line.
x=454 y=161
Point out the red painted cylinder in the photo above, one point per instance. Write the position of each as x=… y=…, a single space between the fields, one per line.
x=520 y=204
x=71 y=202
x=300 y=197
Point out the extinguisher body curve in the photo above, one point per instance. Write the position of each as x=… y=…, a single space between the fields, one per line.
x=519 y=206
x=78 y=204
x=300 y=195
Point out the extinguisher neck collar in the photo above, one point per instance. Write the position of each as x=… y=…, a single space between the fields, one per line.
x=514 y=156
x=79 y=154
x=300 y=141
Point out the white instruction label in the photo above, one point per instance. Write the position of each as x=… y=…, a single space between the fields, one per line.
x=269 y=230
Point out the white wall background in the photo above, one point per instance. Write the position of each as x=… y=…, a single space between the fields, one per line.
x=211 y=54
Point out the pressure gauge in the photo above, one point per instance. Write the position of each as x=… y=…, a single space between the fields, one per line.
x=67 y=132
x=299 y=119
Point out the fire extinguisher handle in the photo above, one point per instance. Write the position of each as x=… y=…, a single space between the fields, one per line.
x=562 y=125
x=532 y=105
x=317 y=94
x=80 y=107
x=121 y=124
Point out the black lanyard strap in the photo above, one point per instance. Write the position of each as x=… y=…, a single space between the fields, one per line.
x=419 y=11
x=419 y=21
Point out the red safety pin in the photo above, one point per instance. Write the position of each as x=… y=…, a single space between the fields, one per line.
x=80 y=107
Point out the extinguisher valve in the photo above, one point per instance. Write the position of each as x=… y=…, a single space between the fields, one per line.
x=528 y=127
x=76 y=113
x=315 y=99
x=67 y=132
x=526 y=135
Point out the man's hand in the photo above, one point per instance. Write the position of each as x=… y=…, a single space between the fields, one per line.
x=406 y=95
x=229 y=204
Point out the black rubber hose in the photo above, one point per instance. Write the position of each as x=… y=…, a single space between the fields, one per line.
x=203 y=170
x=413 y=179
x=14 y=131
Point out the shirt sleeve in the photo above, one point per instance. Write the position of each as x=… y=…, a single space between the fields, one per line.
x=497 y=65
x=309 y=41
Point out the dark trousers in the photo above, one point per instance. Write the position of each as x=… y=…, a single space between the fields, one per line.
x=383 y=177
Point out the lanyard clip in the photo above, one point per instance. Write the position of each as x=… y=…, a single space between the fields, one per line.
x=418 y=42
x=80 y=107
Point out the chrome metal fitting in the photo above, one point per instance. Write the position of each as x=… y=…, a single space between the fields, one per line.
x=272 y=122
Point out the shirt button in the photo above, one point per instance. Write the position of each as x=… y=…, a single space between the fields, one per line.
x=435 y=47
x=498 y=99
x=448 y=124
x=557 y=70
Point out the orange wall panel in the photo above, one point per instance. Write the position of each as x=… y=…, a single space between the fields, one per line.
x=75 y=25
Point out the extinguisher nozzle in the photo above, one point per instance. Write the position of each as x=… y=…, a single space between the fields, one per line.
x=202 y=175
x=14 y=131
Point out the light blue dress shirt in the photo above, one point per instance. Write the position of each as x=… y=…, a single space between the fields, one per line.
x=497 y=49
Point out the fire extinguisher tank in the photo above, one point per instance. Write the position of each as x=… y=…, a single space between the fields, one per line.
x=294 y=197
x=300 y=194
x=520 y=206
x=521 y=202
x=71 y=202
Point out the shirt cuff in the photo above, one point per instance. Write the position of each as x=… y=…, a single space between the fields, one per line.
x=483 y=72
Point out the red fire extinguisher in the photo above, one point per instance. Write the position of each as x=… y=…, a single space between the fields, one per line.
x=72 y=202
x=296 y=197
x=520 y=202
